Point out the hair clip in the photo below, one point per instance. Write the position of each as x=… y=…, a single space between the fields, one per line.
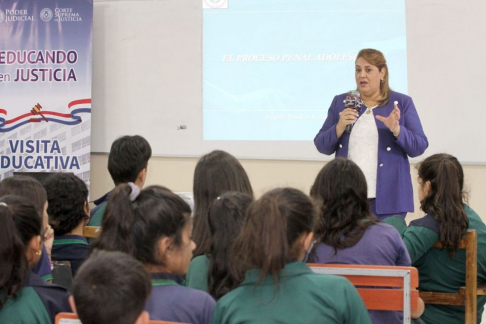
x=218 y=198
x=135 y=191
x=3 y=204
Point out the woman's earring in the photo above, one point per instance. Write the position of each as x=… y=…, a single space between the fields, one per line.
x=38 y=252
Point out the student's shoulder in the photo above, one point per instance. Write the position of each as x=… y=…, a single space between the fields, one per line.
x=202 y=260
x=195 y=295
x=322 y=281
x=428 y=222
x=384 y=231
x=382 y=228
x=55 y=298
x=43 y=287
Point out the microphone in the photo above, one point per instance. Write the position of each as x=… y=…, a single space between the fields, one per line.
x=353 y=100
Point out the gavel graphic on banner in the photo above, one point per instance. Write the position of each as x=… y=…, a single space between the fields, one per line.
x=36 y=111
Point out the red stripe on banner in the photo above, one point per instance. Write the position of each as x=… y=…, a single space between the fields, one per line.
x=77 y=102
x=35 y=120
x=56 y=114
x=17 y=118
x=72 y=103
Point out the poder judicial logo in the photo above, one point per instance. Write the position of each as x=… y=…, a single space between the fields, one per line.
x=15 y=15
x=46 y=14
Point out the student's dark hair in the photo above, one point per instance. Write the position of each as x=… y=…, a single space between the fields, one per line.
x=341 y=197
x=136 y=227
x=111 y=286
x=270 y=232
x=27 y=187
x=19 y=223
x=128 y=156
x=67 y=196
x=446 y=197
x=226 y=216
x=216 y=173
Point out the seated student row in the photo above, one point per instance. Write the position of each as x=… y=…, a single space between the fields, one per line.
x=179 y=252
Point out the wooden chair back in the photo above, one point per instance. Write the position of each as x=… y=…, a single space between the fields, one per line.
x=91 y=232
x=467 y=295
x=62 y=274
x=385 y=288
x=70 y=318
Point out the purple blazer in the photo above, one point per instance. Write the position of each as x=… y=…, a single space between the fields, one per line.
x=394 y=193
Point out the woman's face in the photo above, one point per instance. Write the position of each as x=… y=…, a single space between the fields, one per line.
x=368 y=78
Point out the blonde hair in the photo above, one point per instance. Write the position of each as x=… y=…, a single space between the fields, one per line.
x=376 y=58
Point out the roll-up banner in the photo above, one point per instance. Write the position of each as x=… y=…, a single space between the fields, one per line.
x=45 y=86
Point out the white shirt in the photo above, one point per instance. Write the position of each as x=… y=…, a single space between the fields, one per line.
x=363 y=148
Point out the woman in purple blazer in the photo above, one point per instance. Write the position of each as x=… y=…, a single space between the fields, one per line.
x=386 y=131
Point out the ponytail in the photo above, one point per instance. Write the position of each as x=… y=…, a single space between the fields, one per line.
x=117 y=225
x=272 y=227
x=445 y=199
x=19 y=223
x=134 y=223
x=225 y=219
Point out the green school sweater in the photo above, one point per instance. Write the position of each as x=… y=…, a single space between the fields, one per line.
x=301 y=296
x=437 y=271
x=197 y=274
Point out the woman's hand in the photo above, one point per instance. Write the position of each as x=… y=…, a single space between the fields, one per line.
x=347 y=117
x=392 y=121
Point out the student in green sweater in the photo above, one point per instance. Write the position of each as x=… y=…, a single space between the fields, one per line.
x=211 y=272
x=279 y=287
x=24 y=296
x=216 y=173
x=441 y=185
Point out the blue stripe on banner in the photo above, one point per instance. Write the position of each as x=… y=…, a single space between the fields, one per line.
x=4 y=130
x=74 y=113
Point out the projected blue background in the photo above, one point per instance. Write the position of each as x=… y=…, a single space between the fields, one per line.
x=310 y=48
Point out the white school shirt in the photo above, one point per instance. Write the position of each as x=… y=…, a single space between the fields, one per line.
x=363 y=148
